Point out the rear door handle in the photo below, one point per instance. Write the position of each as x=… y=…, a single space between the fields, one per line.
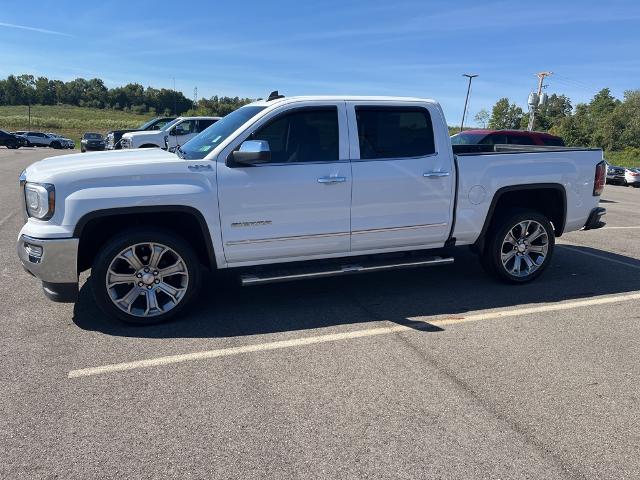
x=435 y=174
x=332 y=179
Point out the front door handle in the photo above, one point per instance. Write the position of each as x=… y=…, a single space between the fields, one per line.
x=332 y=179
x=435 y=174
x=197 y=168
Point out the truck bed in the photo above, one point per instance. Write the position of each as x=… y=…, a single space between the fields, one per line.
x=482 y=175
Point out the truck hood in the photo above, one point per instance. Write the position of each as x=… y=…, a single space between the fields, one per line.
x=144 y=133
x=98 y=163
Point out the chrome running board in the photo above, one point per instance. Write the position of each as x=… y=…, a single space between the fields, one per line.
x=336 y=270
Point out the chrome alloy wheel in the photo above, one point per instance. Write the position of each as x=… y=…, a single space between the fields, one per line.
x=147 y=279
x=524 y=248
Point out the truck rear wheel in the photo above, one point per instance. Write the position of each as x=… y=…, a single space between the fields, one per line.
x=145 y=276
x=519 y=246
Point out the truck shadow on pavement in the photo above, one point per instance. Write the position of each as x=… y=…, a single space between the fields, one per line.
x=225 y=309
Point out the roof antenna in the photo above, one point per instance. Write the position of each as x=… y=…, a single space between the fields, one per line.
x=274 y=96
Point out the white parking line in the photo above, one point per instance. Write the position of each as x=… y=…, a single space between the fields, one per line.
x=296 y=342
x=601 y=257
x=616 y=228
x=7 y=217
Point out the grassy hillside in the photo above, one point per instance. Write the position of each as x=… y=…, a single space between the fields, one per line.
x=67 y=120
x=629 y=157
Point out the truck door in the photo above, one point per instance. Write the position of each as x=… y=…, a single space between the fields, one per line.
x=403 y=177
x=297 y=206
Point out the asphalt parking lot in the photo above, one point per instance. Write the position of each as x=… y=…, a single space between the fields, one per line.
x=427 y=373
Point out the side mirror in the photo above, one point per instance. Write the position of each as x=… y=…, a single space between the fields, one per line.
x=252 y=152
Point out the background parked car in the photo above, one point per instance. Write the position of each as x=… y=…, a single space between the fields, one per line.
x=623 y=176
x=9 y=140
x=66 y=142
x=92 y=141
x=632 y=177
x=114 y=136
x=615 y=175
x=170 y=136
x=506 y=137
x=40 y=139
x=21 y=138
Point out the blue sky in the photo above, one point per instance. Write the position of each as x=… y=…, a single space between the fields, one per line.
x=415 y=48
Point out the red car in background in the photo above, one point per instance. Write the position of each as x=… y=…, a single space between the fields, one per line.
x=506 y=137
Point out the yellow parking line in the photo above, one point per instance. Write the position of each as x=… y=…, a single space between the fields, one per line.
x=296 y=342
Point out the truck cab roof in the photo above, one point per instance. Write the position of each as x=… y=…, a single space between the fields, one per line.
x=339 y=98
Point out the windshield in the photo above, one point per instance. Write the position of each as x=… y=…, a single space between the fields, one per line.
x=156 y=122
x=169 y=125
x=467 y=138
x=199 y=146
x=93 y=136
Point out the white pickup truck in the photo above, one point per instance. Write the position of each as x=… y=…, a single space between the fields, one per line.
x=169 y=136
x=297 y=188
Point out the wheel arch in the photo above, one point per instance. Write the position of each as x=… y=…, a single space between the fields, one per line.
x=94 y=229
x=542 y=197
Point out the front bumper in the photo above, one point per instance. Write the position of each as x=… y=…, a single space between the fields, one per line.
x=55 y=262
x=595 y=219
x=95 y=148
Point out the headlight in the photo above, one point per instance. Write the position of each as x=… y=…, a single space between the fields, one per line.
x=40 y=200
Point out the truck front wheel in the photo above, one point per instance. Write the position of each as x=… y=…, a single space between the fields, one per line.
x=145 y=276
x=519 y=246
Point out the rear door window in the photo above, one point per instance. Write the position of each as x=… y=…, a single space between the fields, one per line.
x=394 y=132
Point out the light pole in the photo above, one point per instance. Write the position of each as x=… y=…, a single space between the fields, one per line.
x=466 y=100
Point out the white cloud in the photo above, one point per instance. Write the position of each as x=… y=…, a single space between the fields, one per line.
x=34 y=29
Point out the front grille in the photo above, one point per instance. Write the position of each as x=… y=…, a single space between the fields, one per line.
x=124 y=143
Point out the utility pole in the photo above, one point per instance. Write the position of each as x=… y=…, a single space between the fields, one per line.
x=466 y=100
x=195 y=96
x=532 y=108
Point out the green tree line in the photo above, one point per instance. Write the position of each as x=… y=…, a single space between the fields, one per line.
x=605 y=122
x=28 y=90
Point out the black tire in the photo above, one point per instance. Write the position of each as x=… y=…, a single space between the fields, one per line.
x=13 y=146
x=111 y=250
x=82 y=149
x=56 y=145
x=495 y=246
